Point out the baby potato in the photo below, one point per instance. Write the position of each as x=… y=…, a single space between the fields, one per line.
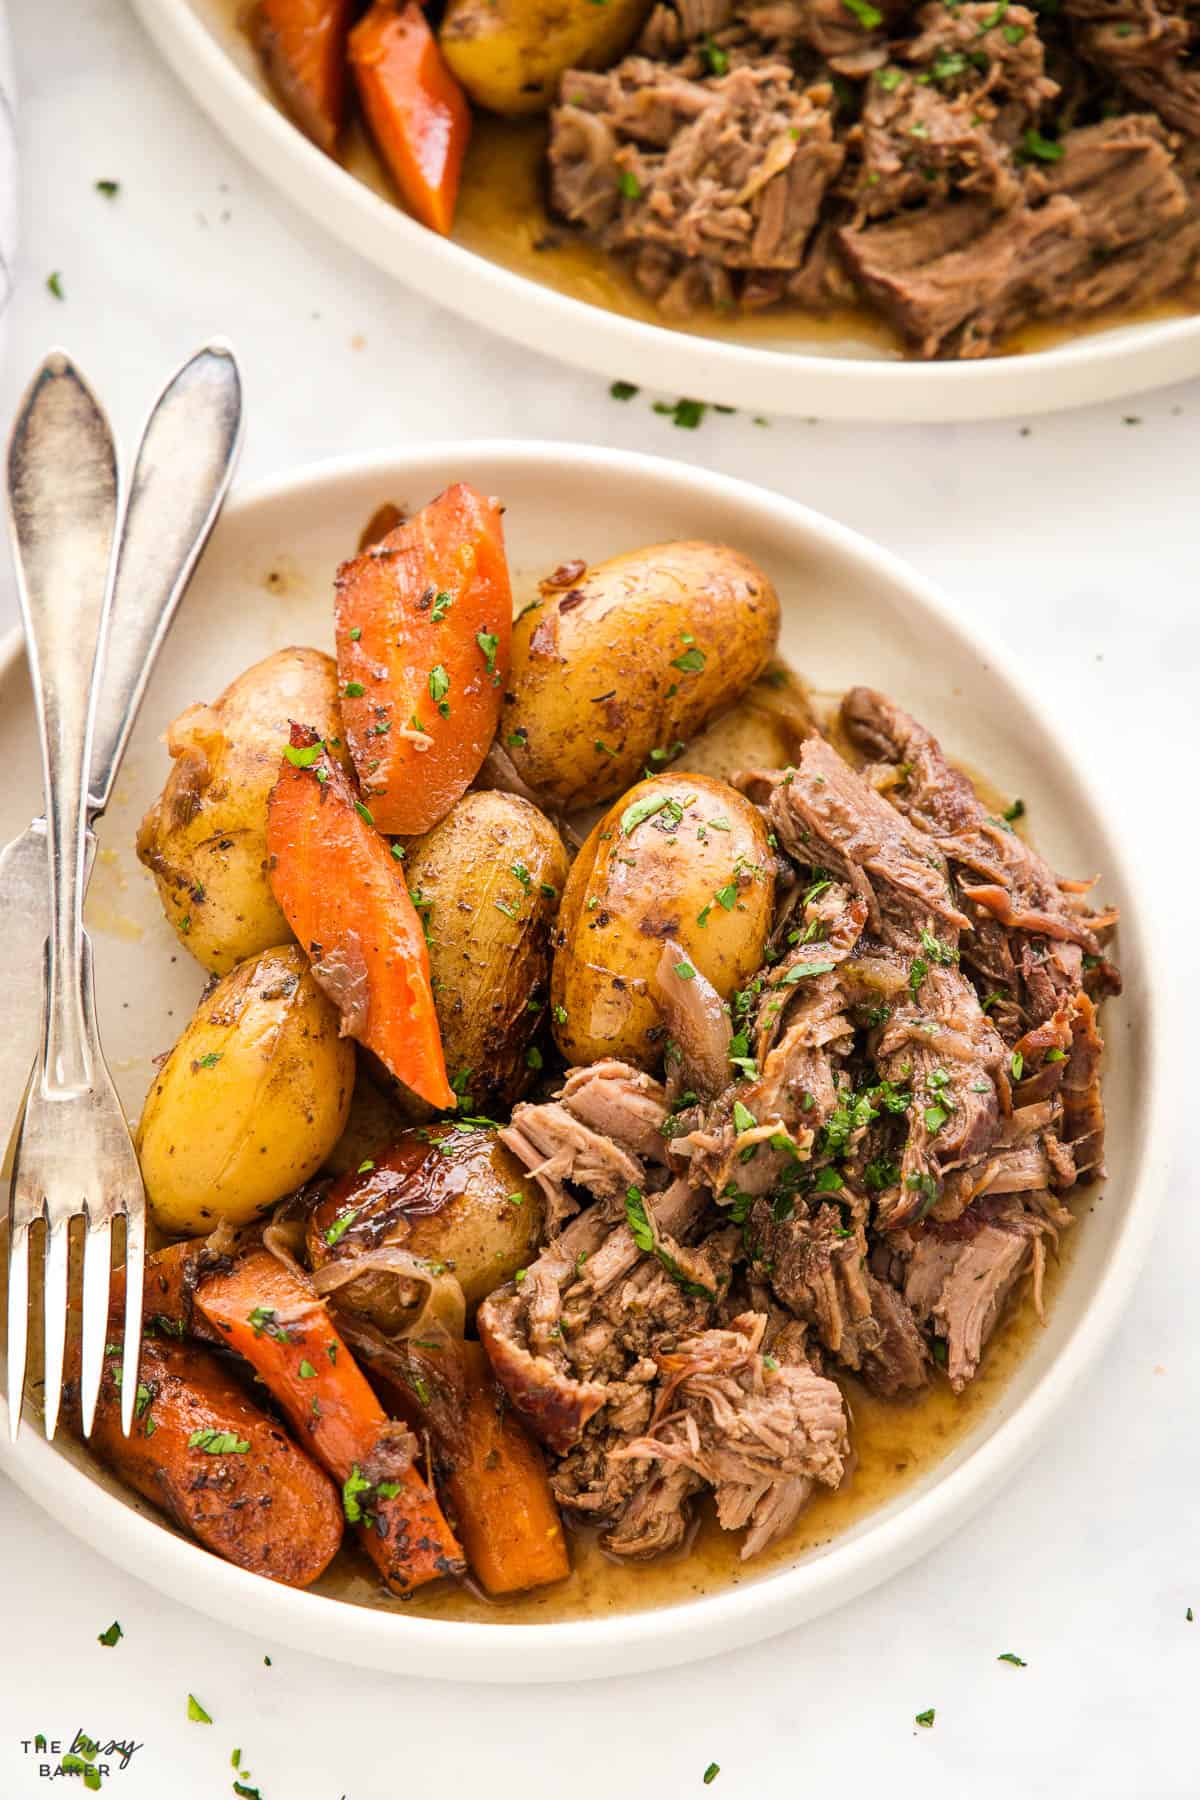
x=250 y=1101
x=509 y=54
x=487 y=881
x=680 y=859
x=765 y=730
x=611 y=670
x=453 y=1196
x=205 y=838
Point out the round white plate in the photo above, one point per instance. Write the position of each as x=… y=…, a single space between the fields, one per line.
x=201 y=41
x=851 y=613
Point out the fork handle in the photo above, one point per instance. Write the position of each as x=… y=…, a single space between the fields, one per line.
x=62 y=502
x=184 y=466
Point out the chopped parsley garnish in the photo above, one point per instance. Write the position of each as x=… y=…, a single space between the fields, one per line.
x=936 y=951
x=743 y=1118
x=196 y=1712
x=1009 y=1656
x=439 y=687
x=534 y=1058
x=354 y=690
x=685 y=971
x=218 y=1443
x=641 y=810
x=868 y=16
x=209 y=1060
x=442 y=602
x=262 y=1322
x=507 y=908
x=54 y=283
x=110 y=189
x=112 y=1636
x=364 y=813
x=889 y=79
x=364 y=1166
x=1036 y=147
x=918 y=970
x=624 y=390
x=803 y=971
x=341 y=1226
x=926 y=1718
x=629 y=184
x=303 y=756
x=644 y=1236
x=354 y=1486
x=716 y=61
x=714 y=1769
x=690 y=663
x=1015 y=811
x=489 y=643
x=306 y=1370
x=1017 y=1065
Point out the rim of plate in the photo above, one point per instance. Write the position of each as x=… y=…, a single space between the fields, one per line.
x=630 y=1642
x=1125 y=359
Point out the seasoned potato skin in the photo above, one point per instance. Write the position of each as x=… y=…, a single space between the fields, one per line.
x=447 y=1195
x=205 y=838
x=489 y=936
x=596 y=686
x=509 y=55
x=765 y=730
x=267 y=1508
x=250 y=1101
x=633 y=889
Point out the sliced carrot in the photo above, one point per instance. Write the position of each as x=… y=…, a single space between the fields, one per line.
x=424 y=631
x=343 y=894
x=418 y=114
x=488 y=1469
x=303 y=47
x=274 y=1319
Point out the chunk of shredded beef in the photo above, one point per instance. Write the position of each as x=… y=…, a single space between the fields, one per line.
x=856 y=1163
x=759 y=1433
x=959 y=277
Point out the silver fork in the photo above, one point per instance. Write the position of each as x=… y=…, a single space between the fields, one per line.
x=74 y=1155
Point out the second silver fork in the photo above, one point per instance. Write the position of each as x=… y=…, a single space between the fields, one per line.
x=74 y=1155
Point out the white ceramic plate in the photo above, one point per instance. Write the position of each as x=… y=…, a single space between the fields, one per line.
x=851 y=612
x=201 y=41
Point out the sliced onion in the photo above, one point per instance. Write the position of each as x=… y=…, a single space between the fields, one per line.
x=443 y=1307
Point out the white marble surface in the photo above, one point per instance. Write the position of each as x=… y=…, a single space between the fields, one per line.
x=1078 y=541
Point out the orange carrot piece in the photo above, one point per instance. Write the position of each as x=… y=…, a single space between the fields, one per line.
x=303 y=45
x=424 y=634
x=487 y=1466
x=283 y=1329
x=343 y=894
x=418 y=114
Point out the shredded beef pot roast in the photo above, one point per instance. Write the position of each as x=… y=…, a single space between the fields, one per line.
x=963 y=168
x=910 y=1094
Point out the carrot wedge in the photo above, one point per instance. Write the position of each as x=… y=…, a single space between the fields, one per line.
x=418 y=114
x=488 y=1469
x=302 y=44
x=274 y=1319
x=424 y=631
x=343 y=894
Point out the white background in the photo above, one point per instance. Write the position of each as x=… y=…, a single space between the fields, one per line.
x=1076 y=539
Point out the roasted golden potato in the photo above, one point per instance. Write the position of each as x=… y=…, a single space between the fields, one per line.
x=765 y=730
x=250 y=1101
x=205 y=837
x=610 y=671
x=487 y=881
x=509 y=54
x=450 y=1195
x=680 y=859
